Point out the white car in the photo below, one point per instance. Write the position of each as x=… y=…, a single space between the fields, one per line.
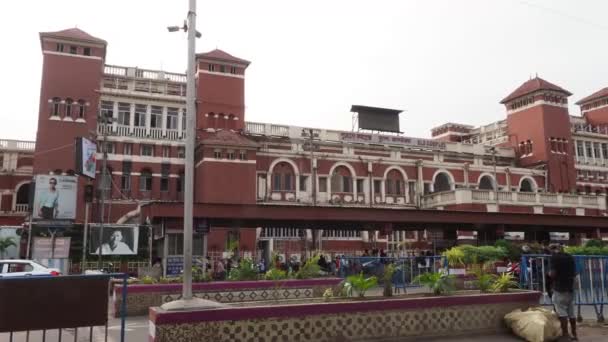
x=21 y=268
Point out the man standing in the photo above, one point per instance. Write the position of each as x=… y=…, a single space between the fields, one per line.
x=563 y=273
x=49 y=201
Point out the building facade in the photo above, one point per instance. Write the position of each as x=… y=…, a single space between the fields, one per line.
x=538 y=160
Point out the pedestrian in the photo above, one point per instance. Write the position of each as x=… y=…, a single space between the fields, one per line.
x=563 y=273
x=220 y=272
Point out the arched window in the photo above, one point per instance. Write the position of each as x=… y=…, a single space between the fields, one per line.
x=81 y=105
x=341 y=180
x=526 y=185
x=23 y=194
x=442 y=182
x=55 y=106
x=395 y=183
x=68 y=107
x=283 y=177
x=145 y=180
x=486 y=183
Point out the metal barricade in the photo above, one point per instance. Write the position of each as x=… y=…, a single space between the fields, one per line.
x=407 y=268
x=56 y=308
x=590 y=286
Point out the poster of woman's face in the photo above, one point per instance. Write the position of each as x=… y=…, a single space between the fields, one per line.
x=115 y=240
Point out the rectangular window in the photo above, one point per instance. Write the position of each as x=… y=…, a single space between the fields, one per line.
x=140 y=115
x=73 y=50
x=211 y=67
x=166 y=151
x=222 y=68
x=107 y=109
x=217 y=154
x=145 y=181
x=360 y=186
x=172 y=118
x=176 y=244
x=347 y=184
x=164 y=184
x=125 y=181
x=322 y=184
x=181 y=152
x=87 y=51
x=233 y=70
x=596 y=150
x=81 y=106
x=276 y=182
x=605 y=151
x=580 y=150
x=164 y=177
x=109 y=147
x=179 y=185
x=388 y=187
x=377 y=187
x=156 y=117
x=243 y=155
x=127 y=149
x=124 y=114
x=147 y=150
x=588 y=148
x=59 y=47
x=231 y=155
x=303 y=180
x=398 y=186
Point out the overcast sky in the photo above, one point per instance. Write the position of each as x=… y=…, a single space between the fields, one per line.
x=440 y=61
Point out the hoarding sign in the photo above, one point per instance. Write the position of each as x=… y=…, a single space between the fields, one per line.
x=55 y=197
x=116 y=239
x=86 y=157
x=43 y=248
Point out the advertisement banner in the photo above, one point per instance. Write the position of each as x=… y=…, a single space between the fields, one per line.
x=42 y=248
x=86 y=157
x=55 y=197
x=116 y=239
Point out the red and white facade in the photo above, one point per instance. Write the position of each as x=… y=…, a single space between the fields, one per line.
x=538 y=160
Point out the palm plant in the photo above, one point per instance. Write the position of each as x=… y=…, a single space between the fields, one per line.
x=439 y=283
x=504 y=282
x=484 y=281
x=5 y=243
x=360 y=284
x=455 y=257
x=387 y=278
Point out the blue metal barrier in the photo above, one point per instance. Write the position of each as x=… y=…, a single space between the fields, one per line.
x=407 y=268
x=109 y=276
x=589 y=287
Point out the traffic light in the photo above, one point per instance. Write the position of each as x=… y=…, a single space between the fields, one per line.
x=88 y=193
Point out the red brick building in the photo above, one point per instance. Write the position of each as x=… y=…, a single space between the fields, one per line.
x=538 y=160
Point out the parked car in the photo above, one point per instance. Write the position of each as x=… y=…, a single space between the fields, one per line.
x=20 y=268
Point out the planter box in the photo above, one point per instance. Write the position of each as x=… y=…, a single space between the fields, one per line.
x=355 y=320
x=140 y=297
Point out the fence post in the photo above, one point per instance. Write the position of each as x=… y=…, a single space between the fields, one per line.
x=123 y=307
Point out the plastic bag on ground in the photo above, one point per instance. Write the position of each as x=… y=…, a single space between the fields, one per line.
x=534 y=324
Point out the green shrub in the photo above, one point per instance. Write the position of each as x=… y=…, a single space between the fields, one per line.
x=246 y=270
x=504 y=282
x=474 y=255
x=484 y=281
x=455 y=257
x=594 y=243
x=439 y=283
x=310 y=269
x=147 y=280
x=580 y=250
x=361 y=284
x=275 y=274
x=513 y=251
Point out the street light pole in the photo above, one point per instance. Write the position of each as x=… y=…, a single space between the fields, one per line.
x=102 y=194
x=190 y=145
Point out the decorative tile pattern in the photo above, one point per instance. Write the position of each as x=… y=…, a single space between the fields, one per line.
x=247 y=295
x=354 y=326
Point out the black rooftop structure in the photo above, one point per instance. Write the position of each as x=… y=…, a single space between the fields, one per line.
x=377 y=119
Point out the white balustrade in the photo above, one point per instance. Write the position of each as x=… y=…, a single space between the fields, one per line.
x=156 y=133
x=122 y=130
x=589 y=200
x=480 y=195
x=21 y=208
x=139 y=132
x=529 y=197
x=505 y=196
x=115 y=70
x=255 y=128
x=569 y=199
x=548 y=198
x=17 y=145
x=173 y=134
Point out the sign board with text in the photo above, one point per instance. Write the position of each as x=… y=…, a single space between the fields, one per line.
x=392 y=140
x=43 y=248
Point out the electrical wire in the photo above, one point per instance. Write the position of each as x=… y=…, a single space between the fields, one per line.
x=563 y=14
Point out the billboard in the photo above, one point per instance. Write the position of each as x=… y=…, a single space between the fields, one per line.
x=43 y=248
x=115 y=239
x=377 y=119
x=55 y=197
x=86 y=154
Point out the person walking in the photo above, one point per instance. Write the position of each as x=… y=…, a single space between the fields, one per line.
x=563 y=273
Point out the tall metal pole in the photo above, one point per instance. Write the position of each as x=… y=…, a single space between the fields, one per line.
x=313 y=173
x=189 y=162
x=85 y=237
x=495 y=177
x=104 y=166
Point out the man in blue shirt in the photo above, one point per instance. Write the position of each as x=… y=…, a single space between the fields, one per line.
x=49 y=201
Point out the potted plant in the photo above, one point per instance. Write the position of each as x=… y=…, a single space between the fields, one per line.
x=504 y=282
x=360 y=284
x=455 y=257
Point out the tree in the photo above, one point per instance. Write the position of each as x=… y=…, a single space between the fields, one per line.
x=5 y=243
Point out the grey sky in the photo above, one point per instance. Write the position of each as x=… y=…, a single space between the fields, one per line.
x=441 y=61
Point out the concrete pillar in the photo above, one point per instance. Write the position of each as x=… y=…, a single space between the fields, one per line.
x=132 y=118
